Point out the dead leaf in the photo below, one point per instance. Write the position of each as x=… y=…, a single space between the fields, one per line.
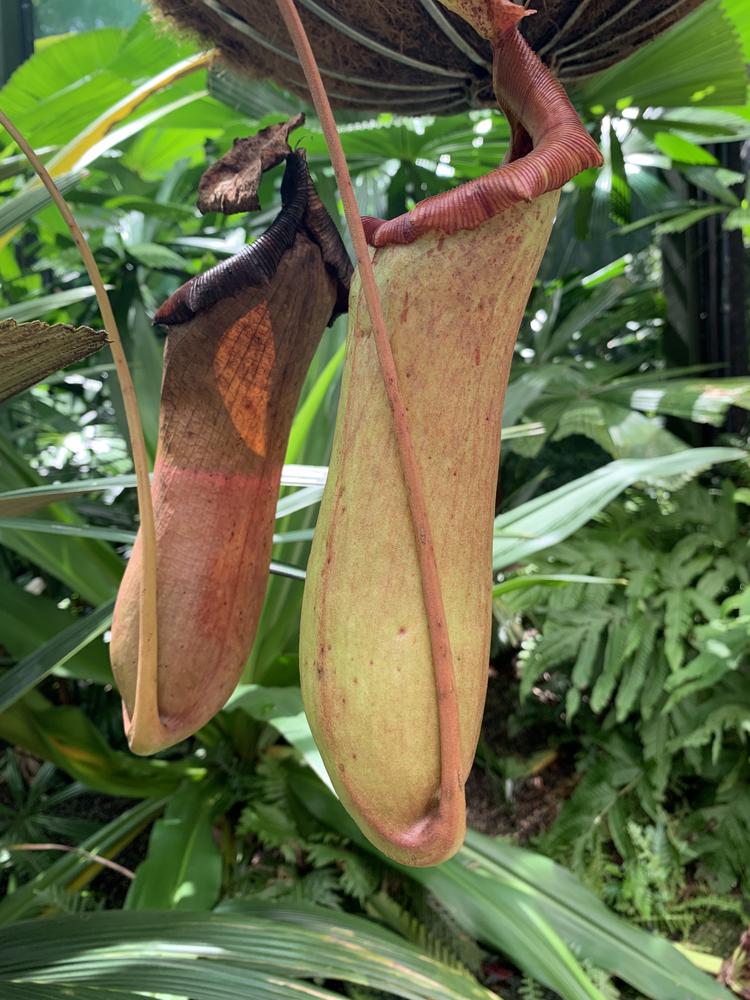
x=30 y=352
x=231 y=184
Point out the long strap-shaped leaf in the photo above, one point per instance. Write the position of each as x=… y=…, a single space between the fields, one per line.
x=76 y=153
x=233 y=955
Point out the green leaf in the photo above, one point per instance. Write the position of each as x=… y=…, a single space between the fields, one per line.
x=700 y=60
x=67 y=738
x=69 y=530
x=717 y=182
x=679 y=223
x=256 y=951
x=15 y=211
x=278 y=631
x=530 y=908
x=636 y=672
x=74 y=79
x=682 y=150
x=666 y=214
x=89 y=567
x=251 y=97
x=156 y=256
x=42 y=305
x=584 y=666
x=705 y=402
x=14 y=503
x=283 y=709
x=53 y=654
x=309 y=409
x=549 y=580
x=27 y=620
x=183 y=867
x=145 y=360
x=614 y=655
x=467 y=885
x=550 y=518
x=595 y=305
x=64 y=85
x=677 y=620
x=738 y=218
x=36 y=991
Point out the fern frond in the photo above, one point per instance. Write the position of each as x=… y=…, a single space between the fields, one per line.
x=636 y=671
x=530 y=989
x=385 y=908
x=601 y=980
x=272 y=827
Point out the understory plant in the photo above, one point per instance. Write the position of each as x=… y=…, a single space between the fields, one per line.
x=648 y=665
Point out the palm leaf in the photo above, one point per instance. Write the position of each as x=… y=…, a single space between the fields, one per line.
x=77 y=152
x=698 y=61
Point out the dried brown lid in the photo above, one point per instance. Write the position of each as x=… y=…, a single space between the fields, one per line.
x=231 y=185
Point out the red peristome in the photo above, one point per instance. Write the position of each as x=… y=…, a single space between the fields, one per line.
x=371 y=224
x=549 y=146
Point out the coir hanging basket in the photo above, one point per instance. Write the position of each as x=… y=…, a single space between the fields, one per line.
x=413 y=56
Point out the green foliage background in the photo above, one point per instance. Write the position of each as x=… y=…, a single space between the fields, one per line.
x=620 y=554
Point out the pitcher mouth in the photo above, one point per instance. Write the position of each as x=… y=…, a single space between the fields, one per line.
x=549 y=146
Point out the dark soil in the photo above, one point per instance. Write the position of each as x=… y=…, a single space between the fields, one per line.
x=498 y=802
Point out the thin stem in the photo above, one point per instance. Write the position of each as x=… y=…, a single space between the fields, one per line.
x=146 y=712
x=120 y=869
x=449 y=812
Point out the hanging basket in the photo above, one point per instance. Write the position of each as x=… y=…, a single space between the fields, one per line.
x=413 y=56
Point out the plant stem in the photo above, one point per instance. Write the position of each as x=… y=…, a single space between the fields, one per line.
x=450 y=803
x=146 y=710
x=105 y=862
